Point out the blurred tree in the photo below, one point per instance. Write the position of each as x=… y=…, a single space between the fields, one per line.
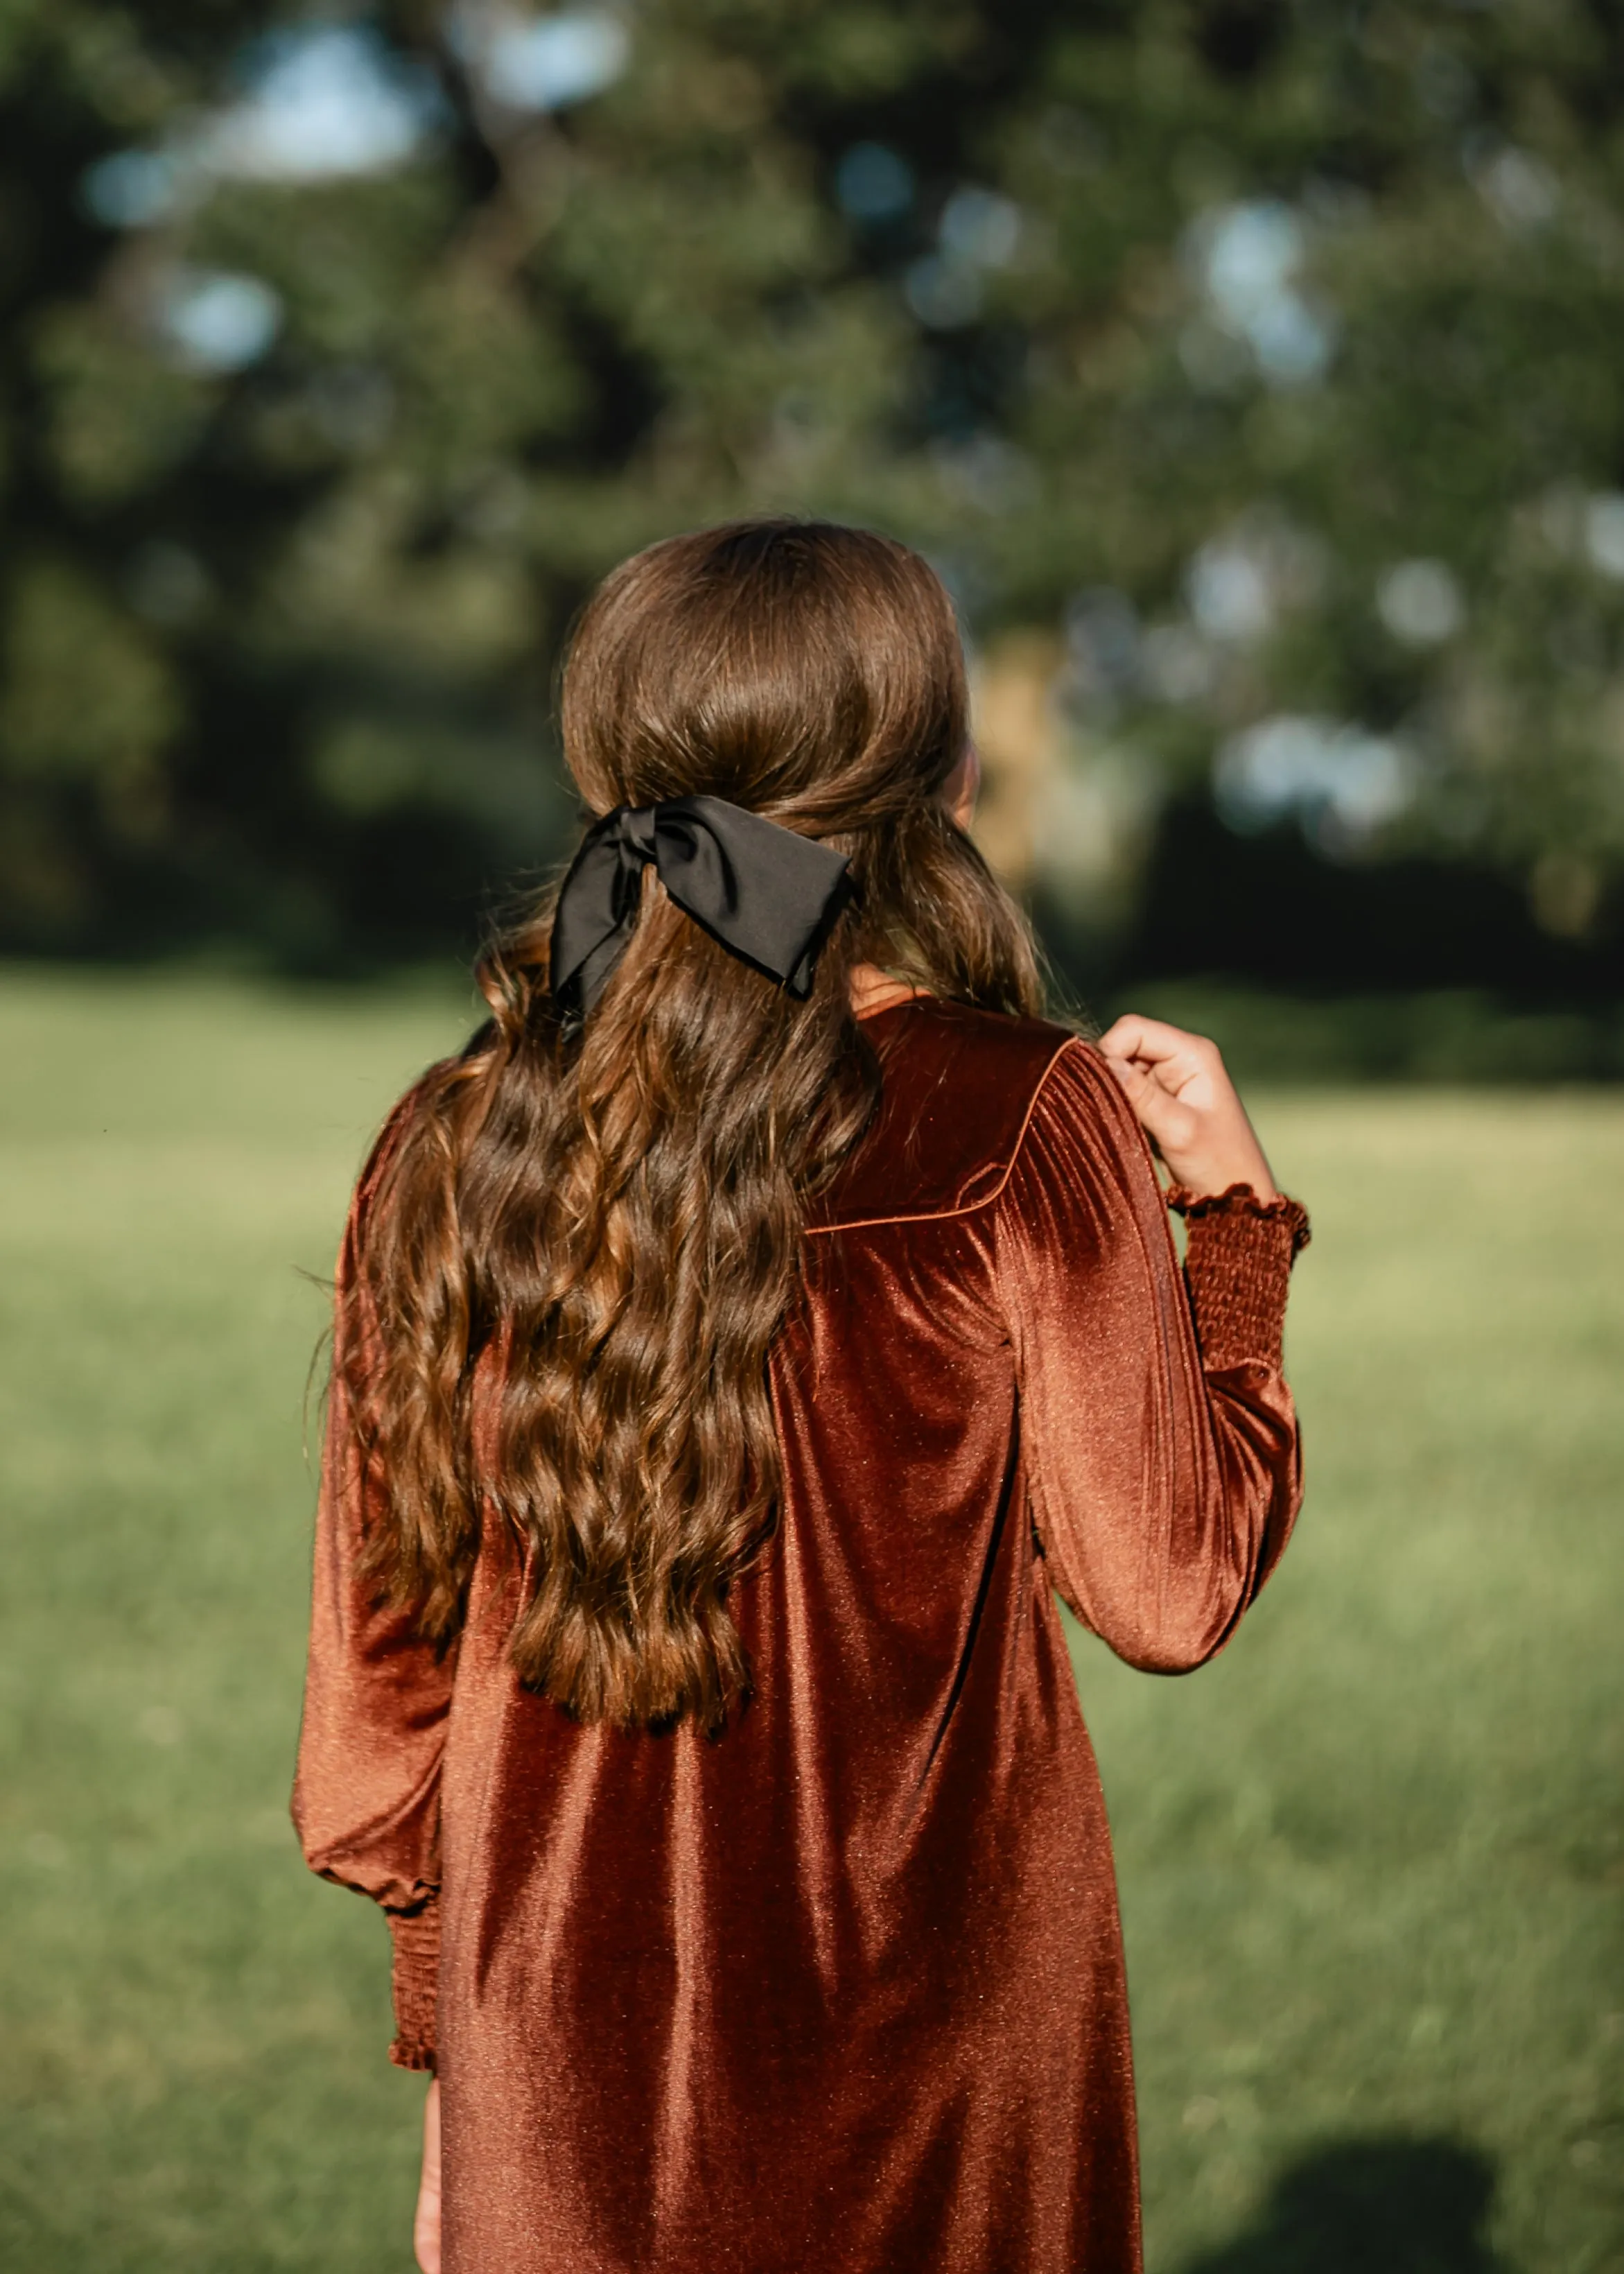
x=1247 y=365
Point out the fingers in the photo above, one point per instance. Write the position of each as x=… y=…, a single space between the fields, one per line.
x=1178 y=1089
x=1145 y=1096
x=426 y=2235
x=1163 y=1118
x=1152 y=1041
x=425 y=2226
x=1133 y=1078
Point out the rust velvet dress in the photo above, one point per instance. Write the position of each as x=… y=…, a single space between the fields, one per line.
x=842 y=1989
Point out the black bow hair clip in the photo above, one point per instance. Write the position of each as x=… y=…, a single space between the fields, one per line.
x=770 y=895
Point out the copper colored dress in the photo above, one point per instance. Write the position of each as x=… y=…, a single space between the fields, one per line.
x=842 y=1989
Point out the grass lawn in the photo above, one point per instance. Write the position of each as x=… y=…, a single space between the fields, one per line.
x=1371 y=1860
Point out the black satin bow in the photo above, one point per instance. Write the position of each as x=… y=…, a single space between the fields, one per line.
x=767 y=894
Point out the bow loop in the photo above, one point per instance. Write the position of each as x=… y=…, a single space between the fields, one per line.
x=767 y=894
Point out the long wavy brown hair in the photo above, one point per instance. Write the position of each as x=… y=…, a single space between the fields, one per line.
x=604 y=1222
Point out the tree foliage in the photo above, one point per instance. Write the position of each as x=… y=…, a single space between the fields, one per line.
x=1262 y=352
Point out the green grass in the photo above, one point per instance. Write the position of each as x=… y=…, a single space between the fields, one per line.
x=1369 y=1862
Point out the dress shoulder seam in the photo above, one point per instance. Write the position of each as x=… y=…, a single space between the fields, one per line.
x=966 y=1207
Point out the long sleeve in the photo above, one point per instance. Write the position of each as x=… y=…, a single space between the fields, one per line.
x=366 y=1797
x=1158 y=1435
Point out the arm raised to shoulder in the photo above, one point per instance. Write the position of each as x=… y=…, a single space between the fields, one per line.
x=1159 y=1437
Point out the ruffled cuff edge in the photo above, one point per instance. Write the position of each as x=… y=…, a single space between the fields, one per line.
x=1240 y=1200
x=1237 y=1265
x=416 y=1981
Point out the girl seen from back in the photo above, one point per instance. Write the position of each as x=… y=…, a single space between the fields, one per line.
x=739 y=1346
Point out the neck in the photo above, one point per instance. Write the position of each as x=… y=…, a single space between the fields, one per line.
x=874 y=989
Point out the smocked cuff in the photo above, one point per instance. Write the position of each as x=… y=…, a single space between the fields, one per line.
x=1238 y=1266
x=415 y=1936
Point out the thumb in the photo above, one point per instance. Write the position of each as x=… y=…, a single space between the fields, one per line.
x=1160 y=1114
x=1137 y=1084
x=1142 y=1090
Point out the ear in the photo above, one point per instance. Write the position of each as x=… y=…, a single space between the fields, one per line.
x=959 y=791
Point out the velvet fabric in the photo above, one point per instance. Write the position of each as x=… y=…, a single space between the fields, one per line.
x=844 y=1987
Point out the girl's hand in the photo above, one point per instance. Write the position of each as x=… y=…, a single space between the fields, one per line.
x=1177 y=1086
x=425 y=2228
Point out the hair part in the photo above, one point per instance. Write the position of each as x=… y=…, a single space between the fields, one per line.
x=582 y=1245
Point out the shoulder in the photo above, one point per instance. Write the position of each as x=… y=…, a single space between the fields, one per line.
x=400 y=1126
x=960 y=1090
x=422 y=1107
x=415 y=1114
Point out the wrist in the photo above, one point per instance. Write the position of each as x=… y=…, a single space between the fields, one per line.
x=1239 y=1204
x=1237 y=1263
x=1208 y=1179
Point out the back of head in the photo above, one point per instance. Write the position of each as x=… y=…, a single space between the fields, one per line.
x=602 y=1220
